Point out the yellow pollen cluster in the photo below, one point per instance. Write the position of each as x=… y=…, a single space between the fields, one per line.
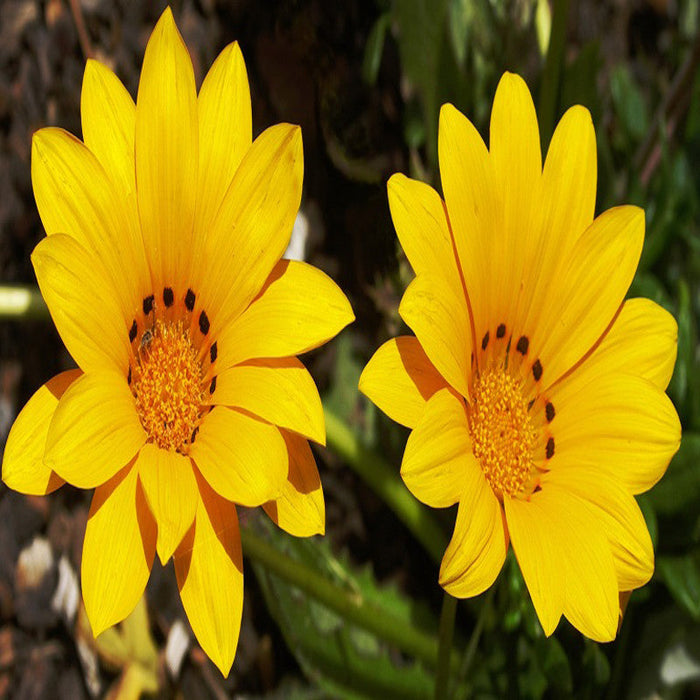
x=167 y=386
x=502 y=433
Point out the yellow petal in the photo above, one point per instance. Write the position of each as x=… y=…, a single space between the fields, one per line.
x=108 y=116
x=421 y=224
x=242 y=458
x=299 y=309
x=643 y=341
x=582 y=553
x=621 y=423
x=438 y=456
x=440 y=320
x=620 y=517
x=300 y=510
x=478 y=547
x=225 y=131
x=23 y=467
x=400 y=379
x=474 y=211
x=82 y=304
x=531 y=530
x=95 y=430
x=166 y=147
x=279 y=391
x=566 y=208
x=118 y=551
x=209 y=570
x=75 y=196
x=586 y=293
x=171 y=492
x=253 y=225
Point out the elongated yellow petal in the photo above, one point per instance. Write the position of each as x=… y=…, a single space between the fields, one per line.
x=95 y=431
x=438 y=453
x=118 y=551
x=620 y=517
x=108 y=116
x=171 y=492
x=421 y=224
x=242 y=458
x=253 y=224
x=225 y=131
x=209 y=569
x=400 y=379
x=75 y=196
x=587 y=292
x=531 y=527
x=643 y=340
x=440 y=321
x=478 y=547
x=166 y=147
x=279 y=391
x=475 y=214
x=23 y=467
x=620 y=422
x=89 y=321
x=299 y=309
x=582 y=550
x=300 y=510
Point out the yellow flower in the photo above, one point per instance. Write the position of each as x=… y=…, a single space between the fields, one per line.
x=535 y=393
x=162 y=272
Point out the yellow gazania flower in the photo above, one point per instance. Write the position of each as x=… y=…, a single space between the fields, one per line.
x=534 y=391
x=162 y=272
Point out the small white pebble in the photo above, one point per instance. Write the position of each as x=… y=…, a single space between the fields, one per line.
x=176 y=647
x=67 y=596
x=34 y=562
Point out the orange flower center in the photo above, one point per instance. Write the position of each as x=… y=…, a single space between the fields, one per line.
x=502 y=433
x=168 y=385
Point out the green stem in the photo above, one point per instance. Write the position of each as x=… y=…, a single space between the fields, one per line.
x=22 y=302
x=447 y=626
x=351 y=606
x=473 y=645
x=385 y=482
x=552 y=69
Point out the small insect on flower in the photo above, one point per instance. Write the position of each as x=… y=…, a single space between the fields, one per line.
x=162 y=270
x=534 y=391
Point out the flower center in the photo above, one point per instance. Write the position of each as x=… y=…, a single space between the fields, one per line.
x=502 y=433
x=168 y=385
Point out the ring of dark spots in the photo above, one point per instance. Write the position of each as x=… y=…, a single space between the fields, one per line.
x=128 y=376
x=168 y=296
x=537 y=488
x=549 y=450
x=537 y=370
x=485 y=341
x=204 y=323
x=212 y=386
x=148 y=304
x=189 y=300
x=133 y=331
x=213 y=352
x=523 y=345
x=549 y=411
x=501 y=330
x=194 y=434
x=529 y=406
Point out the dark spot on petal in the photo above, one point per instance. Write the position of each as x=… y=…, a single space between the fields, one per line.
x=537 y=370
x=133 y=331
x=549 y=411
x=204 y=323
x=501 y=330
x=529 y=406
x=523 y=345
x=148 y=304
x=189 y=300
x=128 y=376
x=212 y=386
x=485 y=341
x=213 y=352
x=194 y=434
x=549 y=450
x=168 y=296
x=537 y=488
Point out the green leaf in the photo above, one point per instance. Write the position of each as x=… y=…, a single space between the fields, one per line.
x=629 y=103
x=375 y=48
x=682 y=577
